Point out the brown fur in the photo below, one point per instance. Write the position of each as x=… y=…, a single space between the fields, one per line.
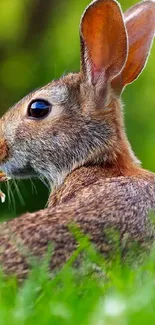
x=94 y=204
x=81 y=148
x=3 y=149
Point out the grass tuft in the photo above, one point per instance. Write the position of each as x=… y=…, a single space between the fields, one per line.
x=95 y=292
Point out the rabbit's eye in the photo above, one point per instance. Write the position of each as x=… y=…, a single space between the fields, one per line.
x=39 y=109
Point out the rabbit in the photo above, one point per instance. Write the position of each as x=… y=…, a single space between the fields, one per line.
x=71 y=132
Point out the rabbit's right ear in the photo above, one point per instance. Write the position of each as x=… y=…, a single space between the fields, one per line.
x=103 y=41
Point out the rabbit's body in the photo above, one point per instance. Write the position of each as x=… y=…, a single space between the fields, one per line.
x=92 y=201
x=72 y=133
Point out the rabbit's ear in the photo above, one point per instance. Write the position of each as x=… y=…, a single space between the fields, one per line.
x=140 y=25
x=103 y=41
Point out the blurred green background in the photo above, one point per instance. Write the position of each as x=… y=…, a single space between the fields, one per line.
x=39 y=41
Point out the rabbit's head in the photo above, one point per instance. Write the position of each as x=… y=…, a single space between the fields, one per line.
x=77 y=120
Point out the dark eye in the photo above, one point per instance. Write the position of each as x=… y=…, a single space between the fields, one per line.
x=39 y=109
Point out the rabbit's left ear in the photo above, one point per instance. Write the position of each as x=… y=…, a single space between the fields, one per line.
x=103 y=41
x=140 y=25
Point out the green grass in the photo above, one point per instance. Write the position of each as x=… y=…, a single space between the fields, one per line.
x=96 y=292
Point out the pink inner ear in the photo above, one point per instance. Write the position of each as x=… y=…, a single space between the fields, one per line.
x=96 y=73
x=104 y=38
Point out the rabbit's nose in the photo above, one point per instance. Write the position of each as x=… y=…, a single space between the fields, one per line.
x=3 y=149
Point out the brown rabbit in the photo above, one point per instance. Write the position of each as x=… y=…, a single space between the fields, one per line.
x=71 y=131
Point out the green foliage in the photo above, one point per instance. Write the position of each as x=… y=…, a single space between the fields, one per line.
x=39 y=41
x=96 y=292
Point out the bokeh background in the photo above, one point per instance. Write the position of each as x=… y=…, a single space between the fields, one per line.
x=39 y=41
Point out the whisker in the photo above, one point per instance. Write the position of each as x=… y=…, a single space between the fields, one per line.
x=11 y=199
x=44 y=181
x=10 y=195
x=33 y=187
x=19 y=193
